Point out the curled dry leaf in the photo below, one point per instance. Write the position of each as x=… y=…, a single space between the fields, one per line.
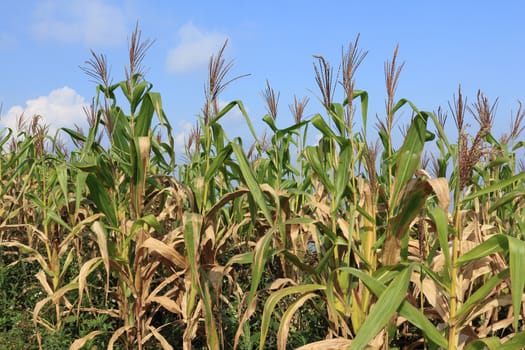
x=328 y=344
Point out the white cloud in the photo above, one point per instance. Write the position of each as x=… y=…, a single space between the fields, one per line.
x=184 y=129
x=92 y=23
x=194 y=49
x=61 y=108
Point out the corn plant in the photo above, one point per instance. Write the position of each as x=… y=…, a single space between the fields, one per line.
x=342 y=242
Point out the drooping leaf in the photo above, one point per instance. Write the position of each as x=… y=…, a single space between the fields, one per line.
x=100 y=196
x=274 y=298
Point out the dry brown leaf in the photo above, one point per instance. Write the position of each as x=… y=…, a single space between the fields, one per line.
x=166 y=303
x=83 y=274
x=245 y=317
x=103 y=247
x=79 y=343
x=55 y=298
x=42 y=278
x=163 y=342
x=117 y=335
x=284 y=327
x=165 y=251
x=281 y=282
x=442 y=191
x=328 y=344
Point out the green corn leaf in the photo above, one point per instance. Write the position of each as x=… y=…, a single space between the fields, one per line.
x=507 y=198
x=363 y=95
x=517 y=274
x=240 y=105
x=75 y=135
x=149 y=220
x=300 y=220
x=409 y=156
x=100 y=197
x=217 y=163
x=399 y=104
x=80 y=181
x=312 y=155
x=297 y=262
x=260 y=257
x=389 y=301
x=62 y=177
x=241 y=259
x=144 y=117
x=140 y=152
x=514 y=343
x=121 y=134
x=496 y=186
x=138 y=92
x=337 y=112
x=270 y=122
x=219 y=137
x=321 y=125
x=516 y=250
x=192 y=232
x=518 y=145
x=421 y=321
x=54 y=216
x=494 y=244
x=223 y=112
x=212 y=336
x=476 y=298
x=291 y=129
x=251 y=182
x=410 y=207
x=6 y=137
x=492 y=343
x=439 y=216
x=342 y=174
x=406 y=310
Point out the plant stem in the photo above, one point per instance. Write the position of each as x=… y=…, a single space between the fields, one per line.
x=452 y=333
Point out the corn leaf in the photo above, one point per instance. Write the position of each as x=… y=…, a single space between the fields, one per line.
x=516 y=250
x=274 y=298
x=406 y=309
x=79 y=343
x=439 y=216
x=250 y=180
x=389 y=301
x=342 y=174
x=496 y=186
x=100 y=197
x=409 y=156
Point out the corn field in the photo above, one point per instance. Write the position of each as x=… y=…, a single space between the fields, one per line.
x=358 y=240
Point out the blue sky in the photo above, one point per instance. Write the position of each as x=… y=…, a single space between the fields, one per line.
x=478 y=44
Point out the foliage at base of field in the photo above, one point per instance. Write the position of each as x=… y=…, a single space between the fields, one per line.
x=341 y=243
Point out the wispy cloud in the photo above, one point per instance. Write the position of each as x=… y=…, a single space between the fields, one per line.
x=92 y=23
x=194 y=49
x=61 y=108
x=184 y=129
